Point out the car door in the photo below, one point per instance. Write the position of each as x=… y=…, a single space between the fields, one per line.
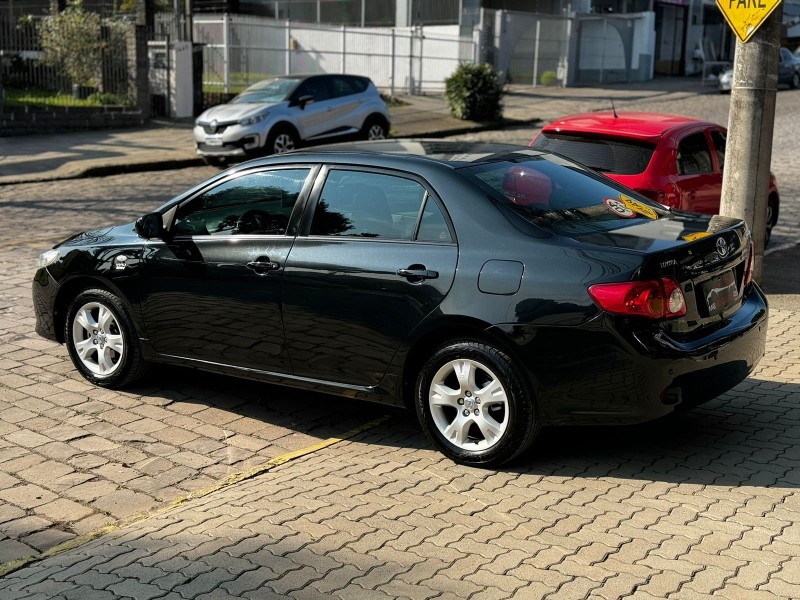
x=346 y=113
x=378 y=257
x=700 y=183
x=313 y=118
x=212 y=289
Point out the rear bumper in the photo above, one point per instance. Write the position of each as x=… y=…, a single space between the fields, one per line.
x=608 y=373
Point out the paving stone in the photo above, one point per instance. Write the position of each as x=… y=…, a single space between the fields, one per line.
x=14 y=550
x=44 y=540
x=27 y=496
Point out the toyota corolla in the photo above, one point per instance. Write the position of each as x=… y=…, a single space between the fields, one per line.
x=493 y=289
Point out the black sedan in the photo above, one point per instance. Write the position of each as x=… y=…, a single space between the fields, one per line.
x=494 y=289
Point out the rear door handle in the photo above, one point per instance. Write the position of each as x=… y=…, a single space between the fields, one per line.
x=263 y=265
x=418 y=273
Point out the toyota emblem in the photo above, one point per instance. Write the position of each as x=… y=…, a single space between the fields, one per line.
x=722 y=248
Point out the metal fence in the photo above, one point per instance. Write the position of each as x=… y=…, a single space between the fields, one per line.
x=27 y=69
x=240 y=50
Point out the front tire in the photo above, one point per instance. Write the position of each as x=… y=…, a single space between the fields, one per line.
x=474 y=405
x=101 y=340
x=281 y=139
x=772 y=218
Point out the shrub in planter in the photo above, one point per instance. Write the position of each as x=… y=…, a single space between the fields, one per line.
x=550 y=78
x=473 y=93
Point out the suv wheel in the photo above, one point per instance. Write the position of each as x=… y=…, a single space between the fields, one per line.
x=375 y=128
x=281 y=139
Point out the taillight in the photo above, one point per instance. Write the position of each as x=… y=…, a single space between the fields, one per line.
x=748 y=270
x=656 y=299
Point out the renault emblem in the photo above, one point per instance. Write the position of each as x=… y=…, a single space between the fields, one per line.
x=722 y=248
x=214 y=126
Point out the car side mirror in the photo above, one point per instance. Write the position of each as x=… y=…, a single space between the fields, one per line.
x=150 y=226
x=303 y=100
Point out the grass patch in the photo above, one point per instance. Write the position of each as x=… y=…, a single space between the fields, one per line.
x=35 y=98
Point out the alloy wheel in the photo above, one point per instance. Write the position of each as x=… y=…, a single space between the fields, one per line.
x=469 y=405
x=97 y=339
x=284 y=142
x=376 y=132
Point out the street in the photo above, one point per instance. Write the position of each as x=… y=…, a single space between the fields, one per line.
x=705 y=503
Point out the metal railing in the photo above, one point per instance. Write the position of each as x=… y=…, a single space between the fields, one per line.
x=240 y=50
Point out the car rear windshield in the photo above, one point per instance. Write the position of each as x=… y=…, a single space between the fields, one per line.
x=553 y=193
x=621 y=157
x=275 y=90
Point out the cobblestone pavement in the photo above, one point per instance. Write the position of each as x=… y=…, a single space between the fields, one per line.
x=702 y=504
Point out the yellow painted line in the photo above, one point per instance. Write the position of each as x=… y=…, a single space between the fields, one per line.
x=232 y=479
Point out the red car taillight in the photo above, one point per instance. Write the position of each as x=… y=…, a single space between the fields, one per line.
x=656 y=299
x=748 y=270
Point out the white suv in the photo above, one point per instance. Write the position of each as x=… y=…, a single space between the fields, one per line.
x=276 y=115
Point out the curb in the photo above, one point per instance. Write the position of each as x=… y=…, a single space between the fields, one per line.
x=182 y=163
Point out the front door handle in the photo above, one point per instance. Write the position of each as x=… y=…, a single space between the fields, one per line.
x=417 y=273
x=263 y=265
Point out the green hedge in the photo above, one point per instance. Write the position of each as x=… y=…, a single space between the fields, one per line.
x=473 y=93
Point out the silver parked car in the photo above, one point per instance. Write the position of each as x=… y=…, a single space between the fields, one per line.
x=788 y=72
x=277 y=115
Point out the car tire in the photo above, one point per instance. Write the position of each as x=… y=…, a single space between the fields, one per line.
x=375 y=128
x=795 y=80
x=213 y=161
x=101 y=340
x=772 y=218
x=481 y=432
x=281 y=138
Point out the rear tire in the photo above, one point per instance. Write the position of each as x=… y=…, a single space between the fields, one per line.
x=102 y=340
x=375 y=128
x=795 y=80
x=473 y=404
x=772 y=218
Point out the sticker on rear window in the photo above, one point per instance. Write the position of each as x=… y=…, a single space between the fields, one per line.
x=638 y=207
x=690 y=237
x=617 y=206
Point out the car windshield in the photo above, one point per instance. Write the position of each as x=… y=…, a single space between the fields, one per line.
x=553 y=193
x=621 y=157
x=273 y=90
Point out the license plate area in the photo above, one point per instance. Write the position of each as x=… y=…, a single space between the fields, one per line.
x=719 y=293
x=214 y=140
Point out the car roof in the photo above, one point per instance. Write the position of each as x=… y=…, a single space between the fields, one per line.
x=402 y=153
x=643 y=126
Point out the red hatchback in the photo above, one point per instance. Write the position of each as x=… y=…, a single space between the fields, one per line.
x=672 y=159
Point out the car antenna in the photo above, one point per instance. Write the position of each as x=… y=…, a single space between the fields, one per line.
x=614 y=110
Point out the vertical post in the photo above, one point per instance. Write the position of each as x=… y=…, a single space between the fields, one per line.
x=411 y=62
x=536 y=53
x=226 y=52
x=603 y=53
x=170 y=112
x=421 y=56
x=745 y=179
x=344 y=48
x=392 y=76
x=288 y=45
x=319 y=11
x=363 y=12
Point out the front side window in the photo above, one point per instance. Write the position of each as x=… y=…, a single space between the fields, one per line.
x=253 y=204
x=368 y=205
x=316 y=87
x=719 y=140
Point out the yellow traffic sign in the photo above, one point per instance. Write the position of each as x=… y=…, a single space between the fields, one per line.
x=746 y=16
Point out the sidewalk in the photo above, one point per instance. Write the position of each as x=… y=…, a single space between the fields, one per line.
x=165 y=145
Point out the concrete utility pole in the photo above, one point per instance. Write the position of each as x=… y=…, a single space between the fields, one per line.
x=745 y=181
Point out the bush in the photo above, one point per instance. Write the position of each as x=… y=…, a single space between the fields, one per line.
x=473 y=93
x=549 y=78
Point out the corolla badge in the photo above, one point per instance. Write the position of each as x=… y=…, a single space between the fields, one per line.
x=722 y=248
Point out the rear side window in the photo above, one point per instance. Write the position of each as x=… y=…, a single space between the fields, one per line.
x=693 y=155
x=343 y=86
x=359 y=83
x=368 y=205
x=621 y=157
x=553 y=193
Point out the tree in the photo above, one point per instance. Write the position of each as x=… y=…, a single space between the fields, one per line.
x=71 y=40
